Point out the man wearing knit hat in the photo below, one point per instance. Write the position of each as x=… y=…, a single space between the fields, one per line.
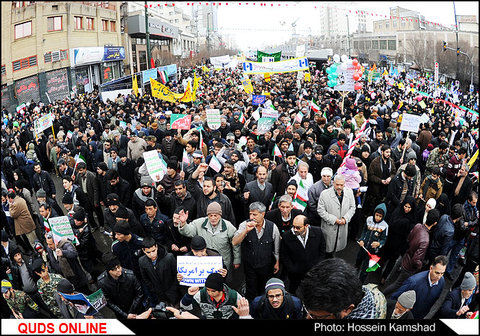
x=283 y=173
x=460 y=300
x=216 y=231
x=42 y=198
x=146 y=191
x=401 y=309
x=401 y=186
x=127 y=246
x=276 y=303
x=216 y=300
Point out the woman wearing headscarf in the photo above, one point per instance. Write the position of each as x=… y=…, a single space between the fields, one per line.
x=443 y=205
x=400 y=224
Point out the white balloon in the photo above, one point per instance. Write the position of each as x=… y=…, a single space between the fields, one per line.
x=344 y=58
x=336 y=58
x=349 y=62
x=343 y=66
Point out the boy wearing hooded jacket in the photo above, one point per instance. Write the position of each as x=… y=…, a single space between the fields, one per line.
x=373 y=237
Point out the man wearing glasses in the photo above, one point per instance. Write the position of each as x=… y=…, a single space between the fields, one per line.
x=276 y=303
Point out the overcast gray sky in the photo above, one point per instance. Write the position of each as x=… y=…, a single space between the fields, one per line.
x=255 y=26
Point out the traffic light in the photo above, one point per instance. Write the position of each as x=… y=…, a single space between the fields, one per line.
x=458 y=51
x=444 y=46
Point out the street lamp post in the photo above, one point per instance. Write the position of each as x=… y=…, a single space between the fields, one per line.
x=348 y=37
x=147 y=36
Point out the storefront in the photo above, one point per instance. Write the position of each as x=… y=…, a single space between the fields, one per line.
x=93 y=66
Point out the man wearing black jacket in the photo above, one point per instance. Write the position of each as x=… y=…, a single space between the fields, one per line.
x=119 y=186
x=158 y=269
x=42 y=180
x=121 y=288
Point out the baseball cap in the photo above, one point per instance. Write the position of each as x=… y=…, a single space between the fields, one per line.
x=6 y=285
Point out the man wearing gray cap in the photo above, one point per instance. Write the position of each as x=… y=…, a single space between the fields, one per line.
x=400 y=309
x=460 y=299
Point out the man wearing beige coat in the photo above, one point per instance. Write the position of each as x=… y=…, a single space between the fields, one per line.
x=336 y=207
x=24 y=224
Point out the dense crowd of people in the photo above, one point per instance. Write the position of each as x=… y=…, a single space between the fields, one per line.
x=283 y=205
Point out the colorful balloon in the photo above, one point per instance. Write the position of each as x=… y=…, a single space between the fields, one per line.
x=356 y=76
x=336 y=58
x=344 y=58
x=358 y=86
x=355 y=62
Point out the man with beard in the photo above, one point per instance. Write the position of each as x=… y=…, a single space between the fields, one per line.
x=283 y=173
x=259 y=190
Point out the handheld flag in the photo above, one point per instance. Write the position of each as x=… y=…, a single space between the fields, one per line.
x=314 y=106
x=215 y=164
x=242 y=118
x=373 y=262
x=472 y=160
x=276 y=151
x=185 y=160
x=135 y=85
x=301 y=197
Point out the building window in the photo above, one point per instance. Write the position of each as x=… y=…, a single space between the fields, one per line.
x=24 y=63
x=78 y=22
x=23 y=29
x=383 y=44
x=392 y=45
x=54 y=23
x=387 y=25
x=64 y=54
x=4 y=70
x=374 y=44
x=113 y=26
x=105 y=25
x=403 y=24
x=47 y=58
x=395 y=24
x=90 y=24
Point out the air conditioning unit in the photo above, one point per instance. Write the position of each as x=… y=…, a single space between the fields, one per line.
x=56 y=56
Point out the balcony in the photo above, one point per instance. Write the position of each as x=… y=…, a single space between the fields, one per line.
x=104 y=5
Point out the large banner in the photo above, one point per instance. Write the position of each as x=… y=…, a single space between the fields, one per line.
x=43 y=123
x=291 y=65
x=27 y=90
x=180 y=121
x=223 y=62
x=345 y=79
x=213 y=118
x=156 y=167
x=57 y=84
x=276 y=56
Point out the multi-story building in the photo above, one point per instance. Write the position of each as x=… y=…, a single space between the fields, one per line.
x=206 y=26
x=51 y=48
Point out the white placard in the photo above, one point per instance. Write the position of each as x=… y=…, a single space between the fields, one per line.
x=61 y=228
x=269 y=113
x=213 y=118
x=156 y=167
x=195 y=270
x=410 y=122
x=345 y=79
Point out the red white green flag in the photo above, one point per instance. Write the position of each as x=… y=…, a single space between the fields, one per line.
x=301 y=197
x=276 y=152
x=314 y=106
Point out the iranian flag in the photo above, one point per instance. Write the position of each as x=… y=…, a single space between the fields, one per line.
x=79 y=158
x=301 y=197
x=314 y=106
x=299 y=117
x=242 y=118
x=185 y=160
x=276 y=151
x=215 y=164
x=163 y=76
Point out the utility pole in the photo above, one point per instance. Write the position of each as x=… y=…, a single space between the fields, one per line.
x=147 y=35
x=348 y=37
x=456 y=33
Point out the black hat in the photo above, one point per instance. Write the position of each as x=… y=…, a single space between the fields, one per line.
x=110 y=261
x=292 y=182
x=172 y=164
x=290 y=153
x=410 y=170
x=37 y=265
x=103 y=166
x=121 y=213
x=113 y=199
x=67 y=199
x=214 y=281
x=65 y=286
x=198 y=243
x=307 y=145
x=79 y=215
x=122 y=153
x=4 y=236
x=122 y=227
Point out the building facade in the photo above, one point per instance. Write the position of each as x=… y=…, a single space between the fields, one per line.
x=52 y=48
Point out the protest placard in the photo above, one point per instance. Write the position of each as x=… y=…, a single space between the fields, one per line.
x=195 y=270
x=156 y=166
x=264 y=125
x=258 y=99
x=97 y=300
x=269 y=113
x=410 y=122
x=213 y=118
x=43 y=123
x=180 y=121
x=81 y=303
x=61 y=229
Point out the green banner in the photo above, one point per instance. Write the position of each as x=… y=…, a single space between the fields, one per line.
x=276 y=56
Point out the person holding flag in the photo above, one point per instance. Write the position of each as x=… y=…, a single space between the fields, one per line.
x=373 y=237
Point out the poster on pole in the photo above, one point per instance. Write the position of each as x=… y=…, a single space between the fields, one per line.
x=258 y=99
x=269 y=113
x=61 y=229
x=43 y=123
x=156 y=167
x=436 y=72
x=195 y=270
x=345 y=79
x=264 y=125
x=213 y=118
x=410 y=122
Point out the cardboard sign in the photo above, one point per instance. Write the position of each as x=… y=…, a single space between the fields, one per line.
x=264 y=125
x=410 y=122
x=195 y=270
x=269 y=113
x=156 y=167
x=258 y=99
x=180 y=121
x=213 y=118
x=61 y=229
